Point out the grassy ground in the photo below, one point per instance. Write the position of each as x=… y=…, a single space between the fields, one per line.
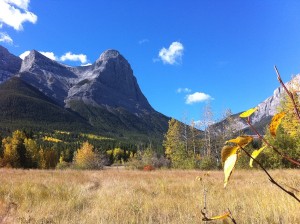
x=122 y=196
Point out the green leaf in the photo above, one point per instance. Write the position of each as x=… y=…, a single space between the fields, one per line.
x=248 y=113
x=255 y=153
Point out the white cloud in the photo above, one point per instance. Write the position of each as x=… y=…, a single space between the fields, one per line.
x=197 y=97
x=172 y=55
x=48 y=54
x=4 y=37
x=74 y=57
x=66 y=57
x=87 y=64
x=183 y=90
x=24 y=54
x=15 y=12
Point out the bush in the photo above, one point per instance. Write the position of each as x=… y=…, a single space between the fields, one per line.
x=208 y=163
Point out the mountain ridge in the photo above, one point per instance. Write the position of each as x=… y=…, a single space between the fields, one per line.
x=105 y=95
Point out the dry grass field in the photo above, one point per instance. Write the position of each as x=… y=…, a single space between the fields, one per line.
x=125 y=196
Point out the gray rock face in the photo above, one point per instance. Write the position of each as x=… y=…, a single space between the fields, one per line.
x=50 y=77
x=266 y=110
x=270 y=106
x=109 y=82
x=9 y=64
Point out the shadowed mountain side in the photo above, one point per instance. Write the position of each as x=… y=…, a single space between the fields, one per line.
x=23 y=105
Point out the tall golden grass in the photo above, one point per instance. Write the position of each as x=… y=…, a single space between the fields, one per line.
x=124 y=196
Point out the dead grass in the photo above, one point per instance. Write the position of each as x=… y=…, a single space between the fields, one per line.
x=123 y=196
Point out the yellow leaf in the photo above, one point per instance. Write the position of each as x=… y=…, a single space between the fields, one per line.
x=228 y=167
x=248 y=113
x=228 y=151
x=225 y=215
x=255 y=153
x=275 y=123
x=241 y=141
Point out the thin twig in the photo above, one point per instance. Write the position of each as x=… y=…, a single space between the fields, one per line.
x=271 y=146
x=231 y=217
x=270 y=177
x=289 y=93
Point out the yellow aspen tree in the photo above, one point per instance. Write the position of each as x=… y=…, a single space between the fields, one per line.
x=290 y=122
x=86 y=157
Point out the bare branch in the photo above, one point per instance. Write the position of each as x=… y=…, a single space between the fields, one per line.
x=270 y=177
x=288 y=92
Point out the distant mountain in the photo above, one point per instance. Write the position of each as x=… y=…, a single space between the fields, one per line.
x=262 y=117
x=103 y=97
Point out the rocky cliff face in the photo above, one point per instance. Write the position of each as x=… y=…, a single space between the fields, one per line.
x=109 y=82
x=50 y=77
x=269 y=107
x=9 y=64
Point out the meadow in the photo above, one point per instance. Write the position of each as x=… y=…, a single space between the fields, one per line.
x=131 y=196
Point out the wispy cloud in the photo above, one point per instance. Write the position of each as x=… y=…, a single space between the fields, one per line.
x=74 y=57
x=4 y=37
x=87 y=64
x=197 y=97
x=48 y=54
x=24 y=54
x=15 y=12
x=183 y=90
x=66 y=57
x=143 y=41
x=173 y=54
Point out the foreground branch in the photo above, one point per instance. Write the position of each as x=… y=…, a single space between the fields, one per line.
x=270 y=177
x=271 y=146
x=289 y=93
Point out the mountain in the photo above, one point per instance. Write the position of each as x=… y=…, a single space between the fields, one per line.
x=262 y=117
x=22 y=104
x=102 y=98
x=9 y=64
x=109 y=82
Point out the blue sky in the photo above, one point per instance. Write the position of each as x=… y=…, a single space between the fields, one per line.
x=183 y=53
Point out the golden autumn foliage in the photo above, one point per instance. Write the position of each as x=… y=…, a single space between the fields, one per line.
x=86 y=157
x=255 y=153
x=248 y=113
x=241 y=141
x=276 y=120
x=290 y=122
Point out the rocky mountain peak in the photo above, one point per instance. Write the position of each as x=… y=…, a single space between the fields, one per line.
x=109 y=54
x=110 y=82
x=36 y=59
x=9 y=64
